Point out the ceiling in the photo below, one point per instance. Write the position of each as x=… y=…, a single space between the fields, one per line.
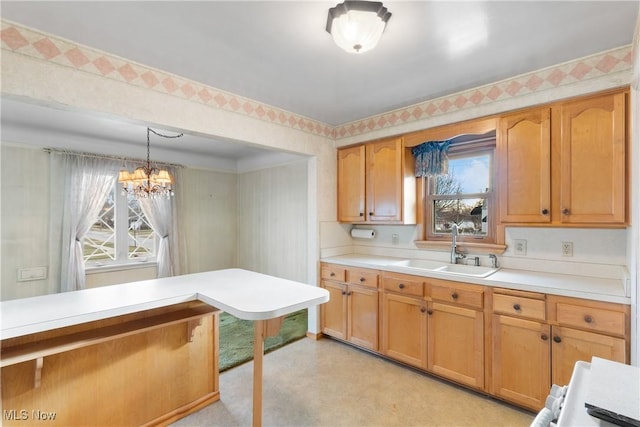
x=278 y=52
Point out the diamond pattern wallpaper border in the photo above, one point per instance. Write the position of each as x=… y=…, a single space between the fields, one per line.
x=29 y=42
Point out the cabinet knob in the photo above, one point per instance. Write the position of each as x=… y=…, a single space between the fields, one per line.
x=429 y=312
x=517 y=307
x=545 y=211
x=544 y=337
x=361 y=213
x=371 y=214
x=349 y=293
x=401 y=285
x=422 y=309
x=454 y=295
x=557 y=339
x=565 y=211
x=344 y=292
x=332 y=274
x=362 y=279
x=588 y=319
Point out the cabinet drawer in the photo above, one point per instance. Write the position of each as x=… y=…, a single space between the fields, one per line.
x=361 y=276
x=333 y=272
x=458 y=295
x=519 y=306
x=405 y=285
x=591 y=318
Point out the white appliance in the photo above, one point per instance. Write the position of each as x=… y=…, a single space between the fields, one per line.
x=600 y=394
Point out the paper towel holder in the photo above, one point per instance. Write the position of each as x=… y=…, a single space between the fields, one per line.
x=363 y=233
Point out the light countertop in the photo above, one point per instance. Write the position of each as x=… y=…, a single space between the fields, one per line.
x=594 y=288
x=244 y=294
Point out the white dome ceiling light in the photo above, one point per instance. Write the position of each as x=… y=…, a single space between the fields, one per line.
x=356 y=26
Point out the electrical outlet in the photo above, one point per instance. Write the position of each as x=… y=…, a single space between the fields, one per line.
x=520 y=247
x=395 y=239
x=567 y=248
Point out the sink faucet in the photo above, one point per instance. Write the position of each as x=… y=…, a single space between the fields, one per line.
x=455 y=254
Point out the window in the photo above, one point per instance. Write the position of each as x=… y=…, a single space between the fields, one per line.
x=122 y=234
x=464 y=196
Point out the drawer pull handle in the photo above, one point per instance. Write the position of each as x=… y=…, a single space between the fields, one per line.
x=544 y=337
x=332 y=274
x=517 y=307
x=557 y=339
x=588 y=319
x=454 y=295
x=422 y=309
x=429 y=312
x=401 y=285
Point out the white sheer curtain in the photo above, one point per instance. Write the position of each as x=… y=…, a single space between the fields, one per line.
x=87 y=182
x=161 y=214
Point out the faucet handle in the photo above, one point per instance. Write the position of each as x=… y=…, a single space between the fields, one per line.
x=494 y=260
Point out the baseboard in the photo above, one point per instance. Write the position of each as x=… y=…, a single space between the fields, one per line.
x=183 y=411
x=314 y=336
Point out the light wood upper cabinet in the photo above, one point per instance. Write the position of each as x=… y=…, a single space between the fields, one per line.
x=376 y=184
x=565 y=164
x=592 y=160
x=524 y=159
x=351 y=184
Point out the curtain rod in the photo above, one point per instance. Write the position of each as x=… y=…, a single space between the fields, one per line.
x=106 y=156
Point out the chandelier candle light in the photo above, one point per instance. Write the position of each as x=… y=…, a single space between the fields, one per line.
x=357 y=26
x=148 y=181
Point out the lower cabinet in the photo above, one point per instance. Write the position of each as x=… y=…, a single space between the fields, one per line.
x=510 y=344
x=404 y=329
x=352 y=311
x=456 y=343
x=520 y=363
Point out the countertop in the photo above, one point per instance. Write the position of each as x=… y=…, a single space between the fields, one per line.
x=244 y=294
x=593 y=288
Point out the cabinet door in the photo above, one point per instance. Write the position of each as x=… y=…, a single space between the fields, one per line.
x=524 y=158
x=333 y=312
x=351 y=187
x=384 y=181
x=521 y=361
x=571 y=345
x=362 y=314
x=592 y=160
x=404 y=329
x=456 y=344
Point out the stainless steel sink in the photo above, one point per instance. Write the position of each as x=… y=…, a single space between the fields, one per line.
x=466 y=270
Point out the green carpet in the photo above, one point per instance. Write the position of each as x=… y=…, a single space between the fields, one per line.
x=236 y=337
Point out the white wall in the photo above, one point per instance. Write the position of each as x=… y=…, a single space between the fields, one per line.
x=272 y=221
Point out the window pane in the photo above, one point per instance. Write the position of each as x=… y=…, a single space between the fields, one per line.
x=469 y=214
x=98 y=245
x=141 y=238
x=467 y=175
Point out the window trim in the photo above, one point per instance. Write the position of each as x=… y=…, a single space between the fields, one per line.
x=494 y=241
x=121 y=234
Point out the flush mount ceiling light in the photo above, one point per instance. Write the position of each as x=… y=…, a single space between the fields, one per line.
x=148 y=181
x=356 y=26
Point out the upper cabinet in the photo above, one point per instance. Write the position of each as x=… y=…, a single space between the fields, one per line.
x=376 y=184
x=524 y=159
x=565 y=164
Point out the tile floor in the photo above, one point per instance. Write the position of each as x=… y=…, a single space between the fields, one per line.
x=327 y=383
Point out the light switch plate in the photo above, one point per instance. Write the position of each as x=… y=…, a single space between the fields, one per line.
x=520 y=247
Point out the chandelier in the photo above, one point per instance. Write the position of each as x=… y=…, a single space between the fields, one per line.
x=148 y=181
x=356 y=26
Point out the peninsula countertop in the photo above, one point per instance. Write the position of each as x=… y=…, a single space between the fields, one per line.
x=594 y=288
x=244 y=294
